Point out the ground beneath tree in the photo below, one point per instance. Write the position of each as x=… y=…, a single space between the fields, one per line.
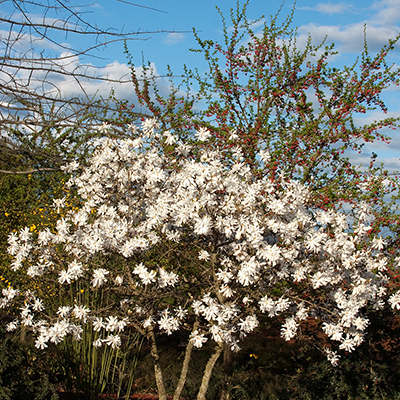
x=137 y=396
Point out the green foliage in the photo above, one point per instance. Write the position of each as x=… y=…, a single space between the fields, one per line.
x=268 y=368
x=76 y=368
x=24 y=373
x=90 y=371
x=23 y=198
x=371 y=372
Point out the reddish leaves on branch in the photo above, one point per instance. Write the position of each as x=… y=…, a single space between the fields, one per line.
x=272 y=95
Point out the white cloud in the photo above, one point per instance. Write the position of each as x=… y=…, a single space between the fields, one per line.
x=378 y=20
x=388 y=12
x=349 y=38
x=22 y=43
x=329 y=8
x=114 y=76
x=173 y=38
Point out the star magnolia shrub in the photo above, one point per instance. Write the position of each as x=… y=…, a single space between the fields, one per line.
x=198 y=244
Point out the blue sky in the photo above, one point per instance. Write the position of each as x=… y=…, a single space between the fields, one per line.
x=343 y=22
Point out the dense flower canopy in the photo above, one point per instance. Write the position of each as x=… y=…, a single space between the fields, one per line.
x=260 y=248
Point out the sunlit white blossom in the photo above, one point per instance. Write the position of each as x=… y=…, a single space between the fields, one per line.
x=81 y=312
x=113 y=340
x=332 y=356
x=99 y=277
x=197 y=339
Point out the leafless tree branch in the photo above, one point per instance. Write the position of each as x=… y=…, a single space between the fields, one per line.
x=36 y=66
x=27 y=172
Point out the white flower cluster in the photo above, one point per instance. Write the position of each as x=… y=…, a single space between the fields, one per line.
x=251 y=236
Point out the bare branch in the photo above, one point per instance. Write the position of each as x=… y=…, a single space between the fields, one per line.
x=138 y=5
x=37 y=112
x=30 y=171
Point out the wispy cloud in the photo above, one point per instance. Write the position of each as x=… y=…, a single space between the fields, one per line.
x=329 y=8
x=173 y=38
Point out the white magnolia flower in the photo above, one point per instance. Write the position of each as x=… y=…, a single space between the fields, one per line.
x=113 y=340
x=332 y=356
x=167 y=278
x=57 y=331
x=111 y=324
x=144 y=274
x=75 y=270
x=41 y=342
x=148 y=322
x=197 y=339
x=99 y=277
x=224 y=275
x=204 y=255
x=203 y=134
x=394 y=300
x=44 y=237
x=226 y=291
x=198 y=307
x=64 y=311
x=38 y=305
x=348 y=344
x=118 y=281
x=81 y=312
x=203 y=225
x=169 y=138
x=12 y=326
x=76 y=330
x=98 y=324
x=289 y=328
x=59 y=203
x=168 y=323
x=378 y=243
x=65 y=277
x=25 y=235
x=248 y=324
x=149 y=125
x=71 y=167
x=10 y=293
x=265 y=156
x=98 y=343
x=180 y=312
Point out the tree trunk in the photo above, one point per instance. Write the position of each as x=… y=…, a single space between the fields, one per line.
x=185 y=366
x=22 y=335
x=208 y=371
x=162 y=394
x=228 y=368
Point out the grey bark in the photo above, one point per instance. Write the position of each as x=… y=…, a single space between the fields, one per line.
x=208 y=371
x=162 y=394
x=185 y=367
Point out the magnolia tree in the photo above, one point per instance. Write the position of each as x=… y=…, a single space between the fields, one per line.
x=198 y=244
